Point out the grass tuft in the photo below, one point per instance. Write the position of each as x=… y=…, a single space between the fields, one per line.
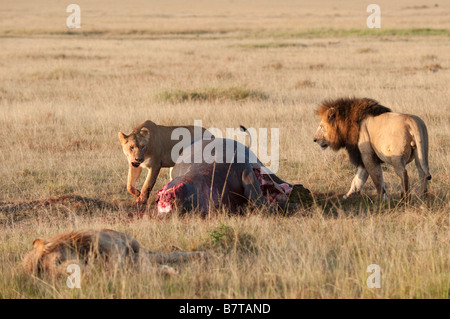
x=212 y=95
x=226 y=238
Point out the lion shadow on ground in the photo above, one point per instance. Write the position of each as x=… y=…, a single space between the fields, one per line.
x=331 y=203
x=328 y=203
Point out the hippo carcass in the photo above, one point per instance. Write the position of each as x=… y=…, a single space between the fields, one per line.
x=220 y=173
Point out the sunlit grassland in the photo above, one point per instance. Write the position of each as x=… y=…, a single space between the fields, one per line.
x=65 y=95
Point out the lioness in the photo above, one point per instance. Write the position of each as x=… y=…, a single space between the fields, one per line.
x=52 y=256
x=372 y=134
x=150 y=145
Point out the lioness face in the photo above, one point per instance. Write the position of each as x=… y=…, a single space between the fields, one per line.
x=135 y=146
x=134 y=151
x=321 y=137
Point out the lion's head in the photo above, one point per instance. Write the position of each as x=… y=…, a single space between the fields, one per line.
x=52 y=256
x=340 y=123
x=49 y=256
x=135 y=145
x=329 y=132
x=321 y=135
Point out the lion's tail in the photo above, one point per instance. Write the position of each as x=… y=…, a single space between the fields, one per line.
x=172 y=257
x=420 y=143
x=244 y=129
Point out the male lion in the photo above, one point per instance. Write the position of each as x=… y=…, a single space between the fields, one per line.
x=115 y=249
x=150 y=145
x=372 y=134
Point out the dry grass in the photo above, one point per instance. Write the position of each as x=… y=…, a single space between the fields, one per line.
x=65 y=95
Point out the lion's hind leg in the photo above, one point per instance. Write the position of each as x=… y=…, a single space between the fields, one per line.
x=401 y=171
x=423 y=177
x=376 y=173
x=358 y=182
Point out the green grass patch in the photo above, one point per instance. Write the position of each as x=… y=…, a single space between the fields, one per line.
x=235 y=34
x=272 y=45
x=315 y=33
x=212 y=95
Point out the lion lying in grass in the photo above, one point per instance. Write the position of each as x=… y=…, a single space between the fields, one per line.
x=113 y=249
x=372 y=135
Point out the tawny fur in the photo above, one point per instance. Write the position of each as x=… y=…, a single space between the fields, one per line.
x=150 y=145
x=111 y=248
x=373 y=134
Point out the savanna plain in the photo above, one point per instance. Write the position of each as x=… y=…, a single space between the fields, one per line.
x=64 y=95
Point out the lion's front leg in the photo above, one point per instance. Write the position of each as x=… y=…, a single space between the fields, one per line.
x=148 y=184
x=358 y=182
x=133 y=175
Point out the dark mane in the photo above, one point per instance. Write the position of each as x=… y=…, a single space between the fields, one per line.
x=344 y=116
x=79 y=241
